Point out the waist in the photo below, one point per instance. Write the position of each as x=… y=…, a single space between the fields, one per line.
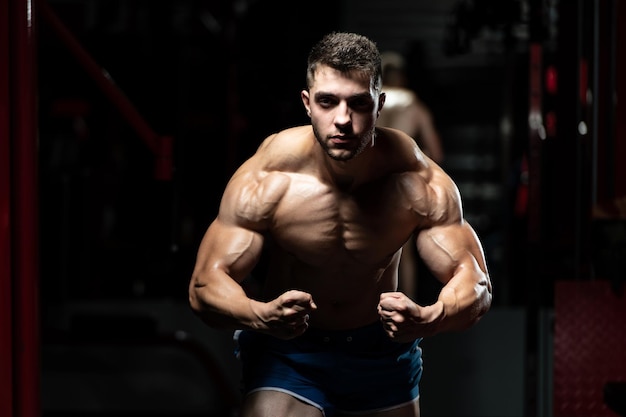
x=339 y=316
x=355 y=335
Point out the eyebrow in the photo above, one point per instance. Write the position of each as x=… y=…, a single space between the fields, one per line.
x=321 y=94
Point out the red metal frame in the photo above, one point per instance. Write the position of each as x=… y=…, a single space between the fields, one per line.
x=161 y=146
x=24 y=209
x=620 y=136
x=6 y=306
x=20 y=370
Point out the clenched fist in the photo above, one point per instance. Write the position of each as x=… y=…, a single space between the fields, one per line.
x=287 y=316
x=404 y=320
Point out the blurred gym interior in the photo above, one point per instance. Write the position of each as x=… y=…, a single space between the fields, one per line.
x=122 y=120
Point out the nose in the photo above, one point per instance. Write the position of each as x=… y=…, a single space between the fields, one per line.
x=343 y=114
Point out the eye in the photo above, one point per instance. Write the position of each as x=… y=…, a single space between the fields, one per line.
x=326 y=101
x=361 y=104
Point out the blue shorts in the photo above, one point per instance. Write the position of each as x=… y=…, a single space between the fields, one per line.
x=352 y=371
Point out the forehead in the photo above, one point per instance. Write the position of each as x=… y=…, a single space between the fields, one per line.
x=332 y=81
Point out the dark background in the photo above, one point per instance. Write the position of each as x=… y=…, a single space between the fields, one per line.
x=117 y=243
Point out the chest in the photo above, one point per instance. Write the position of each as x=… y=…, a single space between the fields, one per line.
x=319 y=224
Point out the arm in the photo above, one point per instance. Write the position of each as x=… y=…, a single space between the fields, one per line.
x=230 y=249
x=225 y=257
x=453 y=253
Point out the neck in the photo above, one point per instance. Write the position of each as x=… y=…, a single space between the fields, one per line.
x=348 y=174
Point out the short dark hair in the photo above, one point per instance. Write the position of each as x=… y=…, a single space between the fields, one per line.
x=346 y=52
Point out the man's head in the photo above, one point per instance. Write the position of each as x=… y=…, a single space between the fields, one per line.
x=343 y=95
x=346 y=52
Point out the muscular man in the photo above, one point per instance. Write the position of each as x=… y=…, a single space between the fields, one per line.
x=333 y=202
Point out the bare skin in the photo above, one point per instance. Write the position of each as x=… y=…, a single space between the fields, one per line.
x=338 y=198
x=274 y=403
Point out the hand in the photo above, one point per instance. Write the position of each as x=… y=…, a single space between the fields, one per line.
x=287 y=316
x=404 y=320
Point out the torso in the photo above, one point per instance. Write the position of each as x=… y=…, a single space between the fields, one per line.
x=342 y=247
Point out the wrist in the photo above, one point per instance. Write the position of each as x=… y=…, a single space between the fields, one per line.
x=257 y=320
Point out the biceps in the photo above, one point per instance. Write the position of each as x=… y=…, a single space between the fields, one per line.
x=231 y=249
x=446 y=249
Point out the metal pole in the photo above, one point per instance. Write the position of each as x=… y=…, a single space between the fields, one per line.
x=595 y=101
x=25 y=242
x=6 y=305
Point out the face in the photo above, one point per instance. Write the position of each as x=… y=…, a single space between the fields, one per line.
x=343 y=110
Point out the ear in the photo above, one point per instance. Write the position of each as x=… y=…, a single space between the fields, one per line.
x=306 y=100
x=381 y=102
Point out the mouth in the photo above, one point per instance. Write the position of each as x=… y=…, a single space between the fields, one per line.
x=341 y=139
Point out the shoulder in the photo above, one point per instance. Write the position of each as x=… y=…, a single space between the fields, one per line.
x=447 y=207
x=259 y=184
x=431 y=192
x=433 y=196
x=399 y=97
x=400 y=149
x=287 y=150
x=251 y=196
x=285 y=140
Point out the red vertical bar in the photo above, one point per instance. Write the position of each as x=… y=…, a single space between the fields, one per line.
x=6 y=316
x=25 y=214
x=620 y=107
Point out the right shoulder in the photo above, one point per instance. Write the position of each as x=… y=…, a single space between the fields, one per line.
x=286 y=150
x=258 y=186
x=251 y=197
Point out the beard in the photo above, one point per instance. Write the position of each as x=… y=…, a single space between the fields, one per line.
x=345 y=154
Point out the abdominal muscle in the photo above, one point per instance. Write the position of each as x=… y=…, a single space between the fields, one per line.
x=346 y=297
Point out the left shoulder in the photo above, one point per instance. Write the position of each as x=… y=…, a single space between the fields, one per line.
x=430 y=190
x=401 y=150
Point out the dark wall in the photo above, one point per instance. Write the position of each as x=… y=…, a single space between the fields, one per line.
x=216 y=76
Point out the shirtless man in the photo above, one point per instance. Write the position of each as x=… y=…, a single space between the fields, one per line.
x=333 y=202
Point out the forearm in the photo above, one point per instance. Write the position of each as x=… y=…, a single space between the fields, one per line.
x=465 y=299
x=223 y=305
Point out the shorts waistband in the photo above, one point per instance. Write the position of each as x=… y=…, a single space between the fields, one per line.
x=357 y=335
